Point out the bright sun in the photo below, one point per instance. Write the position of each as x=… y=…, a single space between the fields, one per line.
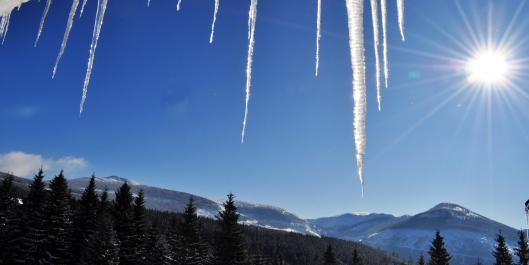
x=487 y=68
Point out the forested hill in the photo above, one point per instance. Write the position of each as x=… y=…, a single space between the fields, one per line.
x=42 y=222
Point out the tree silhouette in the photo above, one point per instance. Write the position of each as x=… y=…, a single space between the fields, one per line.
x=438 y=253
x=501 y=252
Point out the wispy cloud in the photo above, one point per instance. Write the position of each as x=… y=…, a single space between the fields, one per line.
x=25 y=164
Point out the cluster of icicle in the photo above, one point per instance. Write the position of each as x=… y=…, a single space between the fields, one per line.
x=355 y=14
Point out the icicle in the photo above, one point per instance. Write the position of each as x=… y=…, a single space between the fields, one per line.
x=374 y=17
x=100 y=15
x=400 y=10
x=252 y=15
x=148 y=3
x=178 y=5
x=73 y=10
x=82 y=8
x=355 y=14
x=214 y=20
x=4 y=25
x=318 y=37
x=383 y=11
x=42 y=20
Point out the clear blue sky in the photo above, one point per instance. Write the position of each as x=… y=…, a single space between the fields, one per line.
x=165 y=107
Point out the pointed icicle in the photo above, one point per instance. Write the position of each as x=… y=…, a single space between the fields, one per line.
x=374 y=16
x=148 y=3
x=178 y=5
x=355 y=14
x=318 y=36
x=400 y=12
x=82 y=8
x=69 y=24
x=252 y=15
x=4 y=25
x=42 y=20
x=214 y=20
x=383 y=11
x=100 y=15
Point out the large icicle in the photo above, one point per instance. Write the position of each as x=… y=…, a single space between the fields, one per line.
x=252 y=15
x=82 y=8
x=6 y=8
x=355 y=15
x=384 y=13
x=374 y=17
x=69 y=24
x=400 y=12
x=318 y=37
x=42 y=20
x=178 y=5
x=100 y=15
x=214 y=20
x=148 y=3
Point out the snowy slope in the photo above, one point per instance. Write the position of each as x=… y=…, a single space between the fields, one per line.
x=468 y=235
x=169 y=200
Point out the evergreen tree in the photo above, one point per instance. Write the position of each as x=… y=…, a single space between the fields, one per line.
x=230 y=248
x=328 y=256
x=356 y=258
x=139 y=228
x=438 y=253
x=8 y=216
x=102 y=246
x=190 y=248
x=58 y=223
x=522 y=251
x=421 y=260
x=85 y=221
x=27 y=246
x=123 y=223
x=155 y=248
x=501 y=253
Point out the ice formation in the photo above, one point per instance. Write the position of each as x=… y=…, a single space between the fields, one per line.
x=252 y=15
x=43 y=20
x=355 y=12
x=374 y=18
x=100 y=15
x=214 y=20
x=355 y=19
x=82 y=8
x=69 y=24
x=383 y=11
x=400 y=14
x=318 y=37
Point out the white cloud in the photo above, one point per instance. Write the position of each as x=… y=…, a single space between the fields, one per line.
x=24 y=164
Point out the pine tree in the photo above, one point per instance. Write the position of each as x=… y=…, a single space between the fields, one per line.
x=102 y=247
x=139 y=228
x=522 y=251
x=8 y=216
x=421 y=260
x=501 y=253
x=29 y=234
x=190 y=249
x=155 y=248
x=85 y=221
x=438 y=253
x=58 y=223
x=230 y=248
x=328 y=256
x=123 y=223
x=356 y=258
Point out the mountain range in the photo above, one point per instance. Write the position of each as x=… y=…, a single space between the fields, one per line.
x=469 y=236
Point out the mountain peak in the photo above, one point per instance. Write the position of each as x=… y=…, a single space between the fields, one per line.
x=121 y=179
x=449 y=206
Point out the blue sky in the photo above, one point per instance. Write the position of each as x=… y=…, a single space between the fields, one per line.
x=165 y=107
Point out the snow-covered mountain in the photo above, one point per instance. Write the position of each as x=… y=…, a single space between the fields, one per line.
x=468 y=235
x=169 y=200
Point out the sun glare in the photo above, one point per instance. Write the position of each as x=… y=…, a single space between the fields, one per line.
x=487 y=68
